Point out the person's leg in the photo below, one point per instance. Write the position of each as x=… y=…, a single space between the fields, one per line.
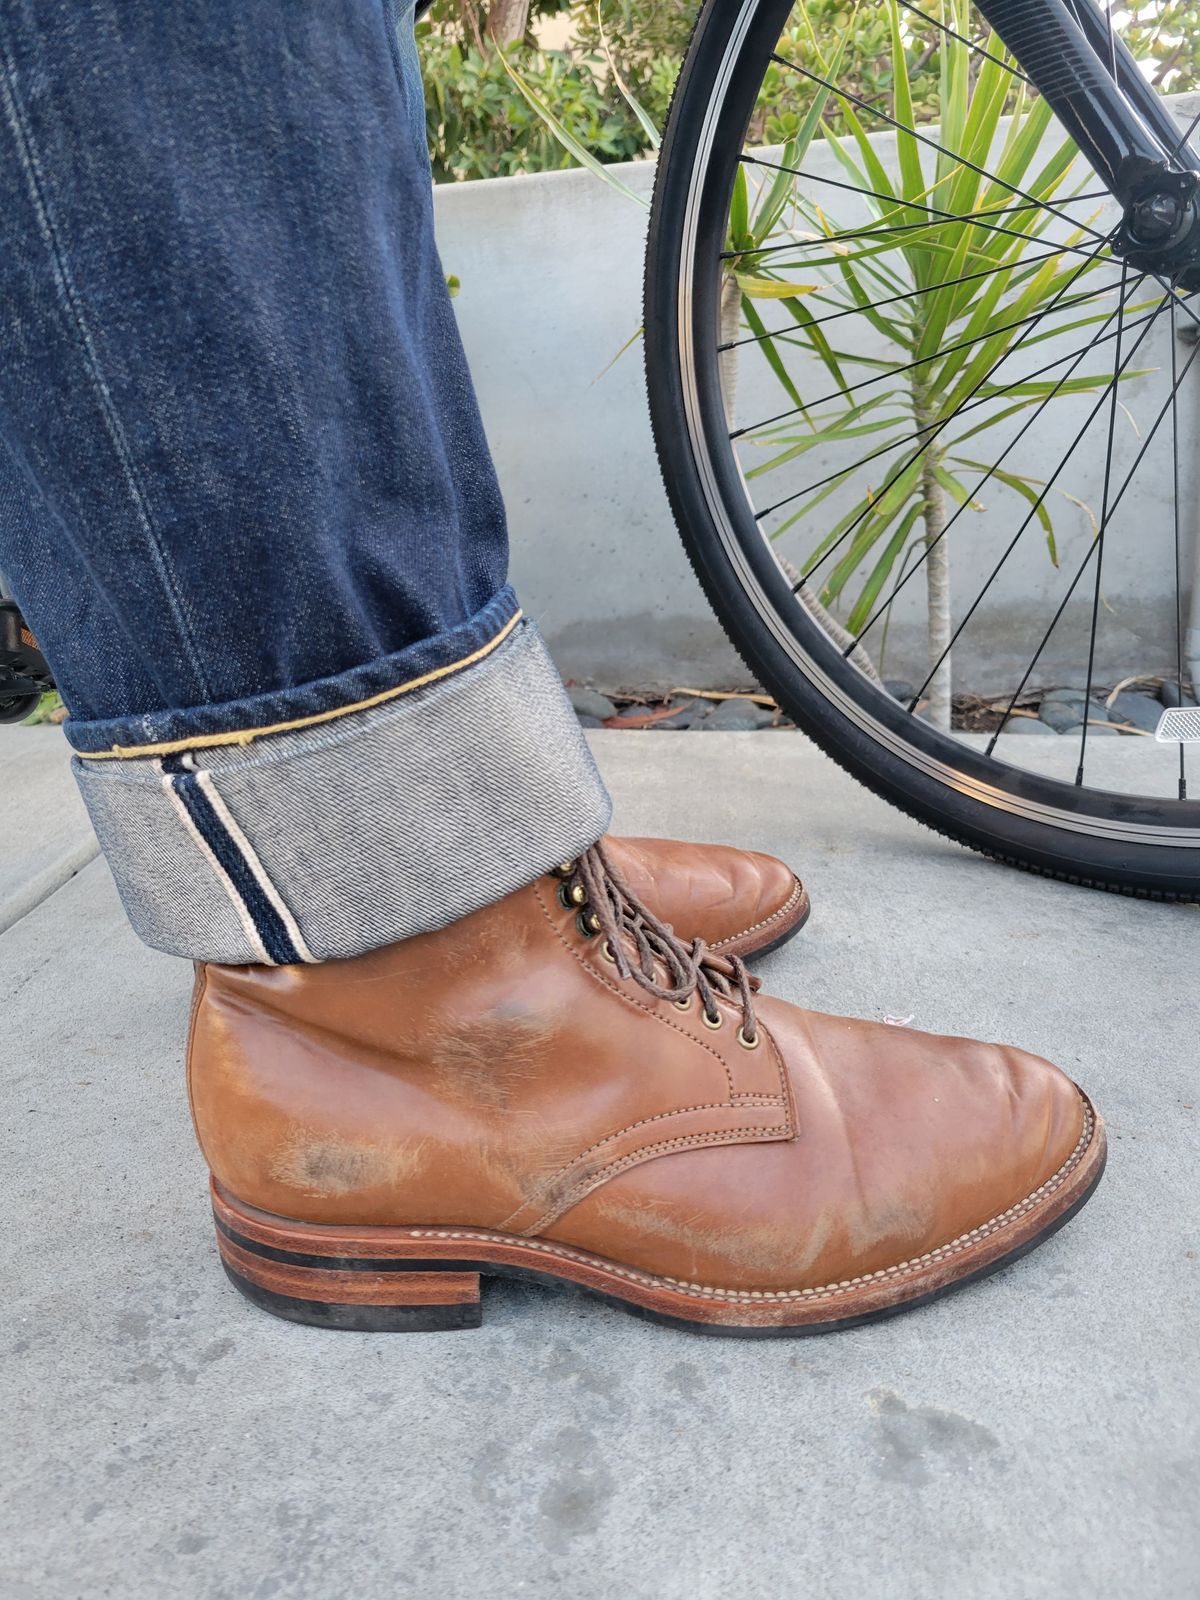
x=248 y=506
x=245 y=485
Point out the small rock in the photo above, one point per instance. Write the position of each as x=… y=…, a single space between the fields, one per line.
x=1062 y=715
x=686 y=717
x=1065 y=697
x=591 y=703
x=1102 y=730
x=1139 y=710
x=1028 y=725
x=900 y=688
x=735 y=716
x=586 y=721
x=1171 y=696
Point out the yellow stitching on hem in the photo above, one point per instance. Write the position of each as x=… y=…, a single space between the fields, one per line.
x=248 y=735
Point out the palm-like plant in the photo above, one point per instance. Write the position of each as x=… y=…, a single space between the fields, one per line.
x=968 y=275
x=961 y=295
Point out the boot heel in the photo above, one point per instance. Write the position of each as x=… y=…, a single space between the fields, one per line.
x=377 y=1294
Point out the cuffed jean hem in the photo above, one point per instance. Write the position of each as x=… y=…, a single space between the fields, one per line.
x=235 y=721
x=357 y=831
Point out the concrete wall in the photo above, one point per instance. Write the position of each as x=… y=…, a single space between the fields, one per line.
x=550 y=267
x=551 y=272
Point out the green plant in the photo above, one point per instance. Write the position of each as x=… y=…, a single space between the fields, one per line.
x=938 y=345
x=979 y=289
x=480 y=125
x=48 y=709
x=644 y=42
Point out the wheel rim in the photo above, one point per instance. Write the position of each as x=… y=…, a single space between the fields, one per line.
x=1120 y=815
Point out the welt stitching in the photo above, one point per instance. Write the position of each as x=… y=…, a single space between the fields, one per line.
x=766 y=921
x=629 y=999
x=70 y=303
x=845 y=1286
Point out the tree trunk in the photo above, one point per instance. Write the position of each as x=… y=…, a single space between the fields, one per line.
x=937 y=594
x=731 y=327
x=507 y=21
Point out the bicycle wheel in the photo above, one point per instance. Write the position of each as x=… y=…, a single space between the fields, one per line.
x=922 y=406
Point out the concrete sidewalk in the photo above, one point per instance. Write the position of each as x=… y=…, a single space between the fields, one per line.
x=1037 y=1435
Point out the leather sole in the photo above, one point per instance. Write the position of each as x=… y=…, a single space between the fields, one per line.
x=414 y=1279
x=773 y=932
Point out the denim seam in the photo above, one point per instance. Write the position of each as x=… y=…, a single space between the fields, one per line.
x=270 y=926
x=391 y=26
x=70 y=303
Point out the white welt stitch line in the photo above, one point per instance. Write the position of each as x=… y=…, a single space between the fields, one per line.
x=256 y=867
x=846 y=1286
x=774 y=917
x=247 y=921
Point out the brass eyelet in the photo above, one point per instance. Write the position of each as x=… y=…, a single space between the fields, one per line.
x=748 y=1044
x=588 y=924
x=683 y=1005
x=712 y=1022
x=606 y=950
x=564 y=869
x=562 y=897
x=578 y=894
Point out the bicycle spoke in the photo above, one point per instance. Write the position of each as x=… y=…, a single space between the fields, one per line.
x=943 y=217
x=933 y=435
x=976 y=49
x=911 y=366
x=1112 y=41
x=1020 y=689
x=1104 y=520
x=1191 y=128
x=932 y=144
x=992 y=576
x=935 y=425
x=895 y=299
x=1076 y=357
x=1050 y=482
x=1178 y=537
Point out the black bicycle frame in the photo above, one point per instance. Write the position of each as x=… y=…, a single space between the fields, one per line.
x=1092 y=83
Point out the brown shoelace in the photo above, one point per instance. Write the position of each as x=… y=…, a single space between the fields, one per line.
x=665 y=966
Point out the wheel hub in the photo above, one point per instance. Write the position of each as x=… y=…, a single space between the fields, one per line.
x=1160 y=231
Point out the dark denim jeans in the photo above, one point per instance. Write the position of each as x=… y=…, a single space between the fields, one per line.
x=246 y=502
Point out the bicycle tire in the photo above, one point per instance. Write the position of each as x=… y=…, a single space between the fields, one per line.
x=1133 y=846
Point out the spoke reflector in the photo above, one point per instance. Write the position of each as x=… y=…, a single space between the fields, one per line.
x=1180 y=725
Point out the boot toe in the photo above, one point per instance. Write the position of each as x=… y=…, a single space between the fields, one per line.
x=915 y=1157
x=768 y=900
x=933 y=1138
x=739 y=902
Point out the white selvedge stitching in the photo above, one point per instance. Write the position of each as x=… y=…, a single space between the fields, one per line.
x=846 y=1286
x=766 y=921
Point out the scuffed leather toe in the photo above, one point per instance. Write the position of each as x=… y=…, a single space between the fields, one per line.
x=905 y=1143
x=738 y=901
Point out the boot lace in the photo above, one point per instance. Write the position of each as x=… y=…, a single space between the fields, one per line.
x=663 y=965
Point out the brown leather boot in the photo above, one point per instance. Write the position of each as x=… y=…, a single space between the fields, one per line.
x=556 y=1088
x=739 y=902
